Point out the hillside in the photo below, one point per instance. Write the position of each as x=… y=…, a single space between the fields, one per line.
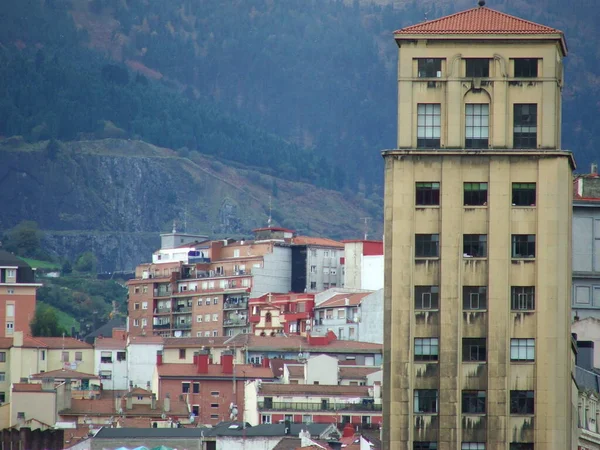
x=114 y=196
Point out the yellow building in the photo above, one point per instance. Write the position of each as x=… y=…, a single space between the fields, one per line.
x=478 y=239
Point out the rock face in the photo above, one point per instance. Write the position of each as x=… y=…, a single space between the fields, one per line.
x=114 y=197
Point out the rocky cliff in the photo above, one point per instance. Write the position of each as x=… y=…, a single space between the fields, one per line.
x=115 y=196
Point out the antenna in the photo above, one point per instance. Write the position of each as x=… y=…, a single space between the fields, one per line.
x=270 y=211
x=185 y=219
x=366 y=229
x=174 y=227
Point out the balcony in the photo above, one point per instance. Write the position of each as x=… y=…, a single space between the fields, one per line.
x=161 y=326
x=182 y=309
x=182 y=326
x=232 y=303
x=162 y=293
x=242 y=321
x=311 y=406
x=162 y=310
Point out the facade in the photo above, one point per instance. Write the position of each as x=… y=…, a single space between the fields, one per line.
x=110 y=360
x=339 y=313
x=586 y=246
x=363 y=265
x=17 y=294
x=141 y=358
x=272 y=314
x=370 y=319
x=478 y=228
x=316 y=264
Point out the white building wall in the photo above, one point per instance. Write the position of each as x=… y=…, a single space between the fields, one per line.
x=372 y=272
x=141 y=361
x=119 y=370
x=248 y=443
x=250 y=413
x=370 y=324
x=323 y=369
x=353 y=265
x=589 y=330
x=276 y=273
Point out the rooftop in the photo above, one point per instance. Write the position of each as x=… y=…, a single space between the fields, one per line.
x=7 y=259
x=295 y=343
x=316 y=241
x=105 y=406
x=26 y=387
x=313 y=389
x=67 y=343
x=110 y=343
x=340 y=300
x=242 y=371
x=196 y=342
x=63 y=374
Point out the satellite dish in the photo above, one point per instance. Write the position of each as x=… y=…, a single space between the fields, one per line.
x=177 y=333
x=192 y=417
x=163 y=416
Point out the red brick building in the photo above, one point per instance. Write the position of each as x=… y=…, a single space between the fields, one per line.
x=209 y=389
x=287 y=313
x=17 y=294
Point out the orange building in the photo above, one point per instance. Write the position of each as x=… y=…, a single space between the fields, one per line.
x=17 y=294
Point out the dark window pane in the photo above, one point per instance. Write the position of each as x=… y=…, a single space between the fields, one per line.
x=473 y=402
x=526 y=68
x=521 y=446
x=427 y=245
x=425 y=446
x=523 y=194
x=522 y=298
x=426 y=349
x=429 y=67
x=474 y=349
x=478 y=68
x=522 y=402
x=475 y=194
x=475 y=245
x=523 y=245
x=428 y=125
x=477 y=125
x=426 y=401
x=426 y=297
x=427 y=193
x=525 y=126
x=474 y=297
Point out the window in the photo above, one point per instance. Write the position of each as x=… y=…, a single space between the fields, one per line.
x=105 y=375
x=43 y=355
x=426 y=349
x=2 y=376
x=214 y=393
x=313 y=285
x=207 y=317
x=523 y=245
x=475 y=245
x=427 y=193
x=199 y=318
x=427 y=297
x=477 y=128
x=2 y=397
x=329 y=314
x=182 y=353
x=20 y=415
x=341 y=313
x=427 y=245
x=144 y=305
x=136 y=290
x=425 y=446
x=313 y=269
x=215 y=317
x=474 y=297
x=2 y=356
x=196 y=388
x=478 y=67
x=216 y=301
x=475 y=194
x=196 y=410
x=207 y=302
x=79 y=356
x=428 y=125
x=472 y=446
x=106 y=357
x=522 y=298
x=10 y=326
x=526 y=67
x=10 y=291
x=65 y=357
x=185 y=388
x=474 y=349
x=523 y=194
x=525 y=126
x=199 y=302
x=473 y=402
x=136 y=322
x=521 y=446
x=121 y=356
x=265 y=418
x=10 y=310
x=426 y=401
x=214 y=416
x=522 y=349
x=429 y=67
x=522 y=402
x=215 y=333
x=144 y=322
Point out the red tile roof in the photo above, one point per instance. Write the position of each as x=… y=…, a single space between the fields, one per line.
x=62 y=374
x=214 y=371
x=110 y=343
x=6 y=342
x=340 y=300
x=68 y=343
x=295 y=343
x=296 y=370
x=479 y=20
x=150 y=340
x=357 y=372
x=106 y=407
x=316 y=241
x=313 y=389
x=26 y=387
x=196 y=342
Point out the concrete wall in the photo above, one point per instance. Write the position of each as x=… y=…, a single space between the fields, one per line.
x=120 y=376
x=372 y=272
x=370 y=326
x=327 y=272
x=36 y=405
x=141 y=361
x=585 y=299
x=276 y=273
x=322 y=368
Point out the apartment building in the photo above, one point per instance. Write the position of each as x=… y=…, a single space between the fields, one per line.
x=317 y=264
x=110 y=360
x=17 y=294
x=273 y=314
x=363 y=264
x=478 y=202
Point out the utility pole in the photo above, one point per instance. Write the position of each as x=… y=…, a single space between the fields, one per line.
x=366 y=220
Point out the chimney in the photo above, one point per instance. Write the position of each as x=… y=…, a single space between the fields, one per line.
x=153 y=402
x=202 y=362
x=129 y=402
x=159 y=357
x=167 y=403
x=266 y=363
x=376 y=390
x=585 y=354
x=305 y=440
x=594 y=169
x=227 y=362
x=348 y=430
x=117 y=404
x=48 y=384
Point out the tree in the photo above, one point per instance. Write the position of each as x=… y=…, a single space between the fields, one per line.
x=86 y=262
x=67 y=268
x=24 y=239
x=45 y=322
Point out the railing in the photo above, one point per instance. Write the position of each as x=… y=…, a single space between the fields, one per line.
x=236 y=305
x=161 y=293
x=235 y=322
x=183 y=326
x=161 y=326
x=198 y=259
x=309 y=406
x=162 y=310
x=182 y=309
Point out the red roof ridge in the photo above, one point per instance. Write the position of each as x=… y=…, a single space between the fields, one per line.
x=470 y=21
